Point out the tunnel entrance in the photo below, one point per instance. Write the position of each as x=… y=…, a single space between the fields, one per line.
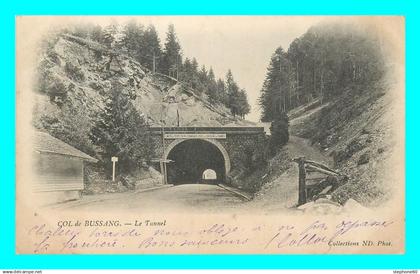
x=209 y=174
x=191 y=158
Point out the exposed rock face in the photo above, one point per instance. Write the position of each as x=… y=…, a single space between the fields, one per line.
x=363 y=159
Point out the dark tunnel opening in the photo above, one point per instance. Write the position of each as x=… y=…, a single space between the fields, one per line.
x=191 y=158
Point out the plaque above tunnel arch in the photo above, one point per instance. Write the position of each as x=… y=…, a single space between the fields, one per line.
x=195 y=136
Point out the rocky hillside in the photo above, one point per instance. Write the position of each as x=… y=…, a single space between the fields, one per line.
x=75 y=75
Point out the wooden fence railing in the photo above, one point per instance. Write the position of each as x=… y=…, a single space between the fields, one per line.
x=307 y=166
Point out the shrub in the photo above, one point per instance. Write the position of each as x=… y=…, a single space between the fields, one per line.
x=57 y=91
x=279 y=132
x=74 y=72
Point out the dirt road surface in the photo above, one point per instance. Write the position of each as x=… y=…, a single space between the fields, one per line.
x=188 y=197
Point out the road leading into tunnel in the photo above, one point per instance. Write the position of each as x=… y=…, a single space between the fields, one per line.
x=180 y=198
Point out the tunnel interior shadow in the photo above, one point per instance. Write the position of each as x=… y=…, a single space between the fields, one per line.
x=191 y=158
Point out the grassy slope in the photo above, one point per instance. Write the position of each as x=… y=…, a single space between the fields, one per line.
x=281 y=188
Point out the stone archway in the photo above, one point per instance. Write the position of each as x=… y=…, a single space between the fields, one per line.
x=205 y=153
x=209 y=174
x=212 y=141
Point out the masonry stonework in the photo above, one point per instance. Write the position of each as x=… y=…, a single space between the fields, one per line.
x=242 y=144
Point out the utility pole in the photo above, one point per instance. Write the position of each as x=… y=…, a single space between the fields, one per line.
x=177 y=117
x=154 y=62
x=162 y=160
x=302 y=181
x=177 y=66
x=297 y=81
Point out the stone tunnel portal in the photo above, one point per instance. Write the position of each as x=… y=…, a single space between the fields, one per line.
x=190 y=158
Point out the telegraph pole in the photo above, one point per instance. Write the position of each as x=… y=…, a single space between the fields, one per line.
x=177 y=117
x=177 y=66
x=154 y=62
x=162 y=160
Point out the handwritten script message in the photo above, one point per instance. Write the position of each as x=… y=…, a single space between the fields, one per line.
x=146 y=236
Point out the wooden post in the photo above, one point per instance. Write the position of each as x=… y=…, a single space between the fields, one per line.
x=165 y=174
x=302 y=181
x=162 y=171
x=113 y=171
x=114 y=160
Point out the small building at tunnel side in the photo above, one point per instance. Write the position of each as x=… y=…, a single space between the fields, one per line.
x=58 y=168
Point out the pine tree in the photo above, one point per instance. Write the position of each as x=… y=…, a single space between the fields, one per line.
x=132 y=39
x=211 y=76
x=151 y=48
x=211 y=90
x=331 y=59
x=109 y=35
x=195 y=82
x=202 y=74
x=232 y=91
x=221 y=92
x=279 y=132
x=243 y=106
x=121 y=131
x=171 y=59
x=277 y=86
x=186 y=72
x=202 y=77
x=296 y=57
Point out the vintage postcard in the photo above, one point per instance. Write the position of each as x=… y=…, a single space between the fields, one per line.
x=210 y=134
